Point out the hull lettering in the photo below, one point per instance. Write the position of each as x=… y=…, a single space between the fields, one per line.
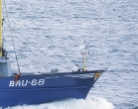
x=25 y=83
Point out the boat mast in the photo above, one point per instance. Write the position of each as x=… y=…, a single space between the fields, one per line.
x=1 y=45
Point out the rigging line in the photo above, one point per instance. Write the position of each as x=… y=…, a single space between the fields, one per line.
x=13 y=41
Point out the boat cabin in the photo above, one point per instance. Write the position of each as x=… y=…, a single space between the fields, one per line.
x=4 y=70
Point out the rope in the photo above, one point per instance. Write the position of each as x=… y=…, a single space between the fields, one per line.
x=13 y=41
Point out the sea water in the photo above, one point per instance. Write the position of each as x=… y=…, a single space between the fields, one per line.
x=89 y=103
x=49 y=33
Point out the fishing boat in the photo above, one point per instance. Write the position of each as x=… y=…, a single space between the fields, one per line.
x=28 y=88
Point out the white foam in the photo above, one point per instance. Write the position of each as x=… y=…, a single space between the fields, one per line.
x=89 y=103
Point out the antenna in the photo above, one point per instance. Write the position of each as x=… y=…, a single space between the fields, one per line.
x=84 y=54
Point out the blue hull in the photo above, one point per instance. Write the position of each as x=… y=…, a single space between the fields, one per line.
x=36 y=89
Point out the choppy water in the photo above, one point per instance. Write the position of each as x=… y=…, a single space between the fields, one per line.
x=50 y=33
